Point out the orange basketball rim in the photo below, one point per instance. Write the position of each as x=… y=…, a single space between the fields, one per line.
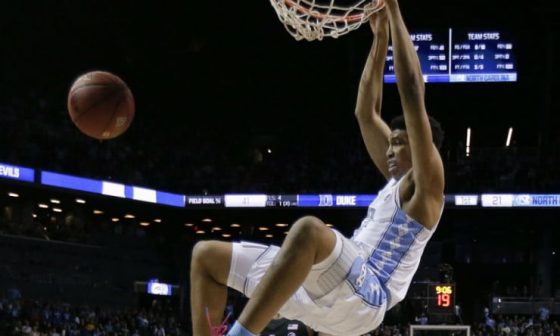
x=313 y=19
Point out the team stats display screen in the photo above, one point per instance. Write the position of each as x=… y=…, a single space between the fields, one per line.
x=461 y=56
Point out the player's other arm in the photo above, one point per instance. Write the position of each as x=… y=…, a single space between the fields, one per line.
x=375 y=131
x=427 y=164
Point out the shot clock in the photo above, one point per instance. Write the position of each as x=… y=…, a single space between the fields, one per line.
x=441 y=298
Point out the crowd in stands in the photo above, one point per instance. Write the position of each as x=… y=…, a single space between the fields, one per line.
x=500 y=325
x=516 y=325
x=23 y=317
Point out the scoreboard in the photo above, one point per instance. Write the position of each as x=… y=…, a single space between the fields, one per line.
x=324 y=200
x=456 y=56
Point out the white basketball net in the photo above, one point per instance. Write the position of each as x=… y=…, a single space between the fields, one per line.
x=309 y=20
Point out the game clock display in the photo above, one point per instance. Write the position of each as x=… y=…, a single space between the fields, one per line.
x=441 y=298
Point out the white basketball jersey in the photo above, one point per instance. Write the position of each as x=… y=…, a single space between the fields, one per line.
x=395 y=241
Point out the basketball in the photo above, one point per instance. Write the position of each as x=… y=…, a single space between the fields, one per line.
x=101 y=105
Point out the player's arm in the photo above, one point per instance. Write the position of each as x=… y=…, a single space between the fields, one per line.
x=427 y=164
x=375 y=131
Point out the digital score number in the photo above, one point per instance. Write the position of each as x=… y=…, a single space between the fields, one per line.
x=441 y=299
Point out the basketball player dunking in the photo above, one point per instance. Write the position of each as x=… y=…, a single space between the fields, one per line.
x=333 y=284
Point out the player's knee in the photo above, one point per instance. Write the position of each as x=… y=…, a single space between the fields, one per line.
x=202 y=251
x=212 y=258
x=308 y=227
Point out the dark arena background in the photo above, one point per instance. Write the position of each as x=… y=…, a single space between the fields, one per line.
x=239 y=131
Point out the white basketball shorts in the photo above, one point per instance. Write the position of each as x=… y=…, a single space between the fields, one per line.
x=340 y=296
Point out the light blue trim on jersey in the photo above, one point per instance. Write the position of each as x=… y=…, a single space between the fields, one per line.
x=395 y=243
x=365 y=283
